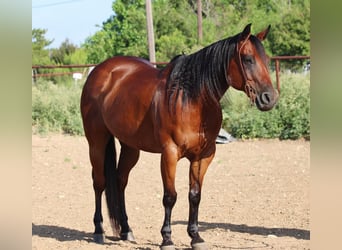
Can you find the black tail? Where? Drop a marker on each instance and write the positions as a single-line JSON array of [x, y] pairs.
[[112, 192]]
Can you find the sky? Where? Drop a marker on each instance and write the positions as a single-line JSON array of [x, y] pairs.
[[72, 19]]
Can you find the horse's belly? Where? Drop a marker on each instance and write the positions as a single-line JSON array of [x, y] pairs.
[[133, 130], [141, 141]]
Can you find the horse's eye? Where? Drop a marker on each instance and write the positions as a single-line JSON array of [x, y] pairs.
[[249, 59]]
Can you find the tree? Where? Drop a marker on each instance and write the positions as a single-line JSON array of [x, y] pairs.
[[175, 22], [175, 25], [65, 50], [122, 34], [40, 55], [99, 47], [291, 32]]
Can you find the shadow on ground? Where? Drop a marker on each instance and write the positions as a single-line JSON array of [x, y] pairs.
[[242, 228], [66, 234]]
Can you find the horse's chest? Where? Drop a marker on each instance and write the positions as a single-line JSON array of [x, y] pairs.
[[195, 140]]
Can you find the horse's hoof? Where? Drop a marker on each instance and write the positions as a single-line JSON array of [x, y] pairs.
[[199, 246], [127, 236], [99, 238], [168, 247]]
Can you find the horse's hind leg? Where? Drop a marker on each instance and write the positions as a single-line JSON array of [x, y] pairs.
[[97, 155], [128, 158]]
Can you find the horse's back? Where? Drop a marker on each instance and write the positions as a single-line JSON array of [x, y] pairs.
[[119, 67]]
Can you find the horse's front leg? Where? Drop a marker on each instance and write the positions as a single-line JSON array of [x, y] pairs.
[[197, 171], [168, 164]]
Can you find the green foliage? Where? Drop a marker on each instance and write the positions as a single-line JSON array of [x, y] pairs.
[[77, 57], [40, 55], [291, 33], [175, 27], [289, 119], [122, 34], [99, 47], [55, 108], [60, 55], [66, 54], [170, 45], [175, 30]]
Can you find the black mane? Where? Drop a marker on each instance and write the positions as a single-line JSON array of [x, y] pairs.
[[203, 70]]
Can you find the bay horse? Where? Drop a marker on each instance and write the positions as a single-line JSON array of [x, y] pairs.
[[174, 111]]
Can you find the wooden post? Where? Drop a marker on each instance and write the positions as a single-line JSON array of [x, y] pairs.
[[277, 68], [150, 32], [199, 21]]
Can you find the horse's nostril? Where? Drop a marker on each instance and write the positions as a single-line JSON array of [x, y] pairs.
[[265, 97]]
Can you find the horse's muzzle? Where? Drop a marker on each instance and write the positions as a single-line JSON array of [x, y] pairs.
[[266, 100]]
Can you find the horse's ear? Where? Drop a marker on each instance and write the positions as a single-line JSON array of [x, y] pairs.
[[262, 35], [244, 35]]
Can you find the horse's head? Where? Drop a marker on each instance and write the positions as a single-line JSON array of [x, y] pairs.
[[248, 69]]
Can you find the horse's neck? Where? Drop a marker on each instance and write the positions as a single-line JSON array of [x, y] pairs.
[[215, 99]]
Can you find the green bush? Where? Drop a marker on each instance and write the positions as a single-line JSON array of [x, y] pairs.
[[55, 107], [289, 119]]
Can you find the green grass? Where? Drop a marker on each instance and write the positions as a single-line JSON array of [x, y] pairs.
[[55, 108]]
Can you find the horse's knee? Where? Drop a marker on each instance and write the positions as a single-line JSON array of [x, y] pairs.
[[194, 197], [169, 200]]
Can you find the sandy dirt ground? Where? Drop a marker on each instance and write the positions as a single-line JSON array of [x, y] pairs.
[[255, 196]]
